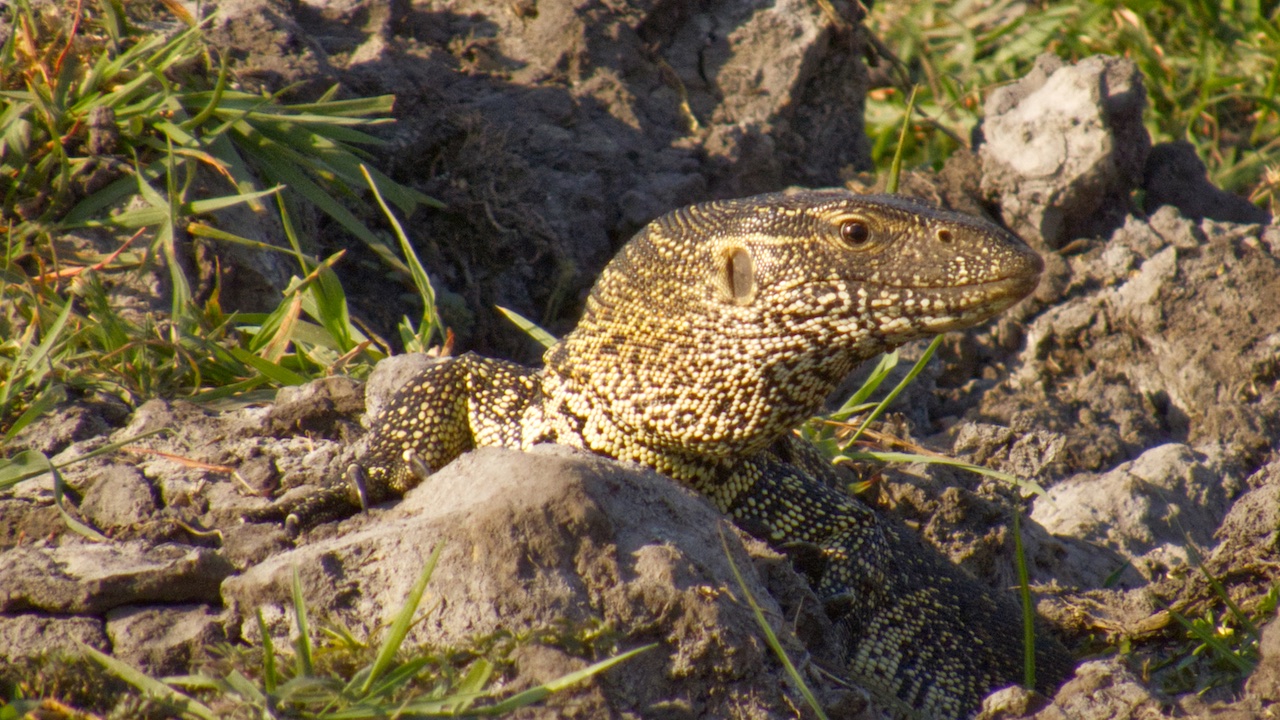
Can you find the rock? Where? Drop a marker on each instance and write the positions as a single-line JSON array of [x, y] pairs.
[[1264, 684], [31, 635], [1175, 175], [58, 429], [163, 640], [389, 376], [93, 578], [260, 474], [188, 467], [316, 408], [273, 51], [1254, 519], [246, 545], [1064, 146], [1010, 702], [1028, 455], [159, 414], [24, 520], [119, 497], [1103, 690], [1147, 509], [1169, 333], [554, 537]]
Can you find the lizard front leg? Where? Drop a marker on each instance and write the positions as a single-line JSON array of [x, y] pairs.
[[445, 410]]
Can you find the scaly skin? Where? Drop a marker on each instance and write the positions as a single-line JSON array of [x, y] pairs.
[[712, 335]]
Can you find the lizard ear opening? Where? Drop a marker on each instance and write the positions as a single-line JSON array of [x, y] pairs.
[[737, 276]]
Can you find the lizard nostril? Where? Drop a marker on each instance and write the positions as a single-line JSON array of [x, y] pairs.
[[945, 236]]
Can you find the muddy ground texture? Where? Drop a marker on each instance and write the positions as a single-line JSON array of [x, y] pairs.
[[1138, 385]]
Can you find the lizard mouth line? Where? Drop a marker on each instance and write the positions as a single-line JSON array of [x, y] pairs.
[[1011, 283]]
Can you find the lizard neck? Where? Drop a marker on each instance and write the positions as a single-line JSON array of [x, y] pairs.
[[732, 396]]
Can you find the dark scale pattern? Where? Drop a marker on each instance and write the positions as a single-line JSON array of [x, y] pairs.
[[705, 342]]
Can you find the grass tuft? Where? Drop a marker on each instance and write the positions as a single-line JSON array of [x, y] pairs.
[[121, 120], [333, 680], [1211, 69]]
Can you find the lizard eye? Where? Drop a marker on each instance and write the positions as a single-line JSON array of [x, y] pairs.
[[855, 232]]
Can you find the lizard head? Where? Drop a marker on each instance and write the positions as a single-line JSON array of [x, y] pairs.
[[890, 267], [736, 318]]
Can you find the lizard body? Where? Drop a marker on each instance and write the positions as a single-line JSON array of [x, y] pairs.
[[711, 336]]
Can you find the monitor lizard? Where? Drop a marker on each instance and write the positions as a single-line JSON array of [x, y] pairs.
[[715, 332]]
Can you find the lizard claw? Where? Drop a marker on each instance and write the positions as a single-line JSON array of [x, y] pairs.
[[416, 466], [355, 476], [292, 525]]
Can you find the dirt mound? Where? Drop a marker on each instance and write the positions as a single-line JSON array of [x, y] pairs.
[[553, 131], [557, 538]]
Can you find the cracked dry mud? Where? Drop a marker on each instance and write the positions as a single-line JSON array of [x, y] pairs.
[[1138, 385]]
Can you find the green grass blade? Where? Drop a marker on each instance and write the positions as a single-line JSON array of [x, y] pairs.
[[893, 394], [452, 705], [1240, 615], [303, 644], [149, 685], [193, 682], [1028, 609], [112, 447], [474, 682], [403, 621], [95, 205], [245, 688], [272, 333], [355, 107], [23, 466], [330, 303], [529, 327], [887, 362], [43, 403], [215, 98], [201, 207], [431, 325], [213, 396], [317, 336], [770, 637], [270, 678], [1213, 641], [394, 679], [59, 494], [895, 168], [305, 264], [1027, 486], [282, 170], [272, 371], [26, 363], [541, 692], [178, 285], [208, 231], [327, 151]]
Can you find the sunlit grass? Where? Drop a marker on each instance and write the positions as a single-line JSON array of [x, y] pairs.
[[1211, 70]]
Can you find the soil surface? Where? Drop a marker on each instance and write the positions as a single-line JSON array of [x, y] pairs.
[[1140, 385]]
